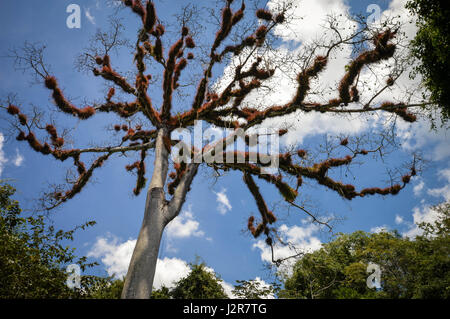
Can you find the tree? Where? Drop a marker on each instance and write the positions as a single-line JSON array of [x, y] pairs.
[[418, 268], [199, 284], [252, 289], [33, 255], [150, 128], [431, 47], [161, 293]]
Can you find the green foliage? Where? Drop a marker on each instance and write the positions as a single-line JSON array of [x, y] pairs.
[[418, 268], [432, 47], [33, 257], [252, 289], [102, 288], [161, 293], [199, 284]]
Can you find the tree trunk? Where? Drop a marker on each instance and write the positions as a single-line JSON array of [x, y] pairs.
[[141, 271], [158, 213]]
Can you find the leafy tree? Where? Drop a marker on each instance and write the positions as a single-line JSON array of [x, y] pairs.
[[252, 289], [144, 127], [102, 288], [418, 268], [432, 47], [199, 284], [33, 255], [161, 293]]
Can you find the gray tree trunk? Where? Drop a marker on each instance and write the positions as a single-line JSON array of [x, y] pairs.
[[158, 213], [141, 272]]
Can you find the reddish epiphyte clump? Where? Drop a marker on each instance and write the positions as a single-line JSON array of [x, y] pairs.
[[63, 104], [150, 17], [13, 110], [190, 42], [264, 14]]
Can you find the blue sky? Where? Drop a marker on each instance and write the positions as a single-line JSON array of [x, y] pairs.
[[213, 221]]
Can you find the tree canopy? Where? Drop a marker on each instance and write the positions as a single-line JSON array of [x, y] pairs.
[[201, 283], [34, 256], [432, 48], [418, 268]]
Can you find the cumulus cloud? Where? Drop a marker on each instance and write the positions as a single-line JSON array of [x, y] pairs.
[[422, 214], [301, 239], [308, 16], [310, 20], [116, 256], [18, 160], [426, 213], [184, 226], [169, 271], [223, 202]]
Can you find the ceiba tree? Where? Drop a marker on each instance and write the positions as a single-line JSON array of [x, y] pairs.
[[223, 108]]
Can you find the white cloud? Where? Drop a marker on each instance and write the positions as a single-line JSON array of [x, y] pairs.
[[422, 214], [3, 159], [308, 16], [417, 189], [379, 229], [116, 258], [184, 226], [445, 190], [169, 271], [309, 21], [89, 15], [304, 31], [114, 255], [426, 213], [314, 12], [399, 219], [300, 240], [308, 25], [224, 203], [18, 160], [419, 135]]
